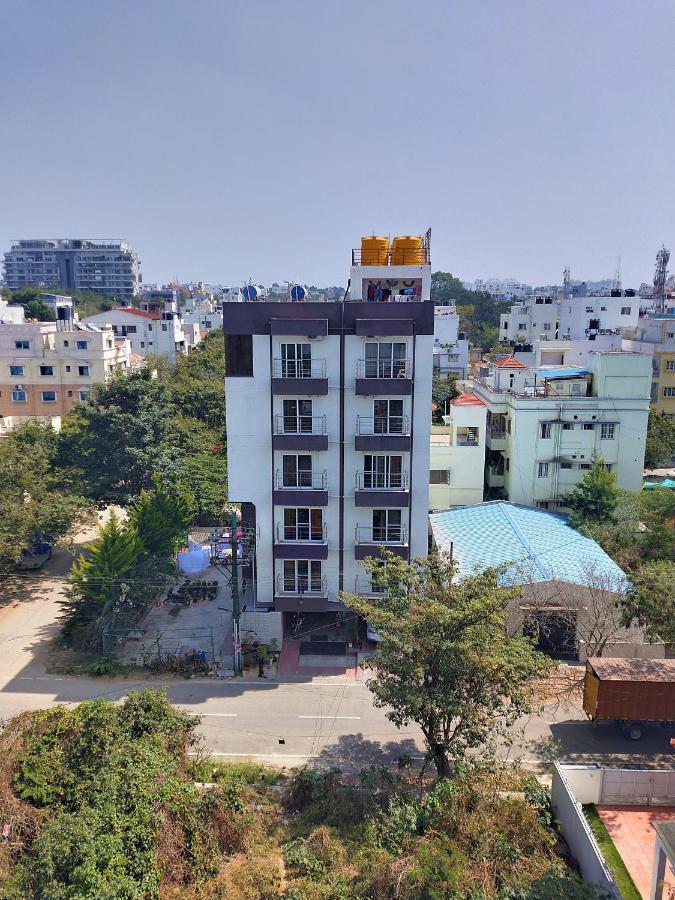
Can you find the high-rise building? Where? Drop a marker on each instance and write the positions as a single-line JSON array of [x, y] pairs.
[[107, 267], [328, 423]]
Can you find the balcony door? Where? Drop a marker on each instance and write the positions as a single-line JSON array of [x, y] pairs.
[[302, 576], [385, 359], [388, 416], [296, 360], [303, 524], [387, 526], [297, 416], [382, 472], [297, 471]]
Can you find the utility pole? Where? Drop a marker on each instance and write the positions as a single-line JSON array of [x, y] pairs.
[[236, 636]]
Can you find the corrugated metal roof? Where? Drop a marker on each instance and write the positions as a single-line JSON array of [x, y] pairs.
[[532, 544], [614, 669], [565, 372]]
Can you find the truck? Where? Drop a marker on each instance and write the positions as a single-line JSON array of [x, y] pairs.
[[635, 693]]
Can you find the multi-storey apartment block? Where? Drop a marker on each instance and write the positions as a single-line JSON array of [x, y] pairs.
[[535, 318], [328, 420], [544, 424], [45, 370], [451, 348], [584, 318], [107, 267], [654, 334]]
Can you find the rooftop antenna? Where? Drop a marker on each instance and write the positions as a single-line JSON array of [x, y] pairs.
[[566, 281], [660, 275], [616, 284]]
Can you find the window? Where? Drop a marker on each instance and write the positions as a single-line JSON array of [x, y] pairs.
[[625, 310], [297, 471], [17, 371], [584, 465], [670, 365], [439, 476], [508, 464], [607, 466], [589, 426], [565, 465], [387, 416], [142, 343], [387, 526], [547, 326], [303, 524], [669, 392], [46, 370], [22, 345], [84, 371], [19, 397], [48, 396], [302, 576], [385, 359], [545, 430], [568, 426], [542, 504], [164, 327], [522, 326], [382, 472], [296, 360], [297, 416], [83, 395], [70, 393], [65, 343], [607, 431], [130, 329], [82, 345], [543, 470], [589, 309], [149, 327], [603, 309], [67, 368]]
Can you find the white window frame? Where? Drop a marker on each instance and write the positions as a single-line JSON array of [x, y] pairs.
[[22, 344], [17, 399], [542, 470], [19, 374], [607, 430], [545, 431], [45, 400]]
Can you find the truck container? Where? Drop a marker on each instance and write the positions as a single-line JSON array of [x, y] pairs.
[[633, 692]]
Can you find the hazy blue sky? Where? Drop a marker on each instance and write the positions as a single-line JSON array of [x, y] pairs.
[[260, 139]]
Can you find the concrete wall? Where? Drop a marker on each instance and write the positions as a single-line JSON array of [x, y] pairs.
[[267, 626], [575, 828]]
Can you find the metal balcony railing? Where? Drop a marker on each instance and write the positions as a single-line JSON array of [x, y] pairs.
[[369, 425], [382, 534], [299, 368], [381, 481], [364, 585], [300, 424], [302, 534], [384, 368], [301, 480], [302, 585]]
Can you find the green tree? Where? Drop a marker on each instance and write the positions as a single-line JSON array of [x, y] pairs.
[[159, 519], [595, 498], [478, 311], [445, 660], [652, 599], [660, 446], [442, 390]]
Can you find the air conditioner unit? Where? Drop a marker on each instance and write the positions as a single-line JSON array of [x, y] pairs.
[[18, 387]]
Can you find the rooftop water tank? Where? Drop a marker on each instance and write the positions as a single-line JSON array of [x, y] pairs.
[[298, 293], [250, 292], [407, 251], [374, 251]]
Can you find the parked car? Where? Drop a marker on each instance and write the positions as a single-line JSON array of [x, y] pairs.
[[35, 556], [372, 633]]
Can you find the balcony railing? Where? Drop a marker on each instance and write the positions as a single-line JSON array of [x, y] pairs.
[[384, 368], [370, 425], [381, 481], [382, 534], [302, 585], [317, 481], [299, 368], [299, 424], [302, 534], [497, 433], [365, 586]]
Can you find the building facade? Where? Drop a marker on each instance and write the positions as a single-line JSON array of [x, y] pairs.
[[544, 424], [109, 267], [535, 318], [584, 318], [457, 455], [46, 370], [451, 348], [655, 335], [328, 419]]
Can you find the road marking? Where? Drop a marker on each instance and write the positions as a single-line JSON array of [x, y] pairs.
[[220, 715], [264, 755], [329, 717]]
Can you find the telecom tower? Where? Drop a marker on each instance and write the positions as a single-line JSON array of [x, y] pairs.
[[660, 274]]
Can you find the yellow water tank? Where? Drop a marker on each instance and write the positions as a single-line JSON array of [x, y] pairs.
[[407, 251], [374, 251]]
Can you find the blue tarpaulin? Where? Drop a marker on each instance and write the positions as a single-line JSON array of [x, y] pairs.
[[569, 372]]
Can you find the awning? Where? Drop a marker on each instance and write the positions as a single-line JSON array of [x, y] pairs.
[[551, 374]]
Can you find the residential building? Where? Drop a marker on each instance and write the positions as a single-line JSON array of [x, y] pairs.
[[11, 314], [451, 348], [204, 312], [570, 587], [109, 267], [655, 335], [457, 454], [328, 419], [535, 318], [61, 305], [544, 424], [156, 328], [584, 318], [502, 288], [45, 370]]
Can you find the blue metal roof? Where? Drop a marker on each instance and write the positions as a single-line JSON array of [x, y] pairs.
[[568, 372], [532, 544]]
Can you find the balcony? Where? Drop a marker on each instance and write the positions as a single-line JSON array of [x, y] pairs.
[[299, 433], [367, 540], [299, 376], [301, 541], [381, 489], [496, 477], [301, 489], [304, 594], [364, 587], [496, 439], [382, 433], [389, 378]]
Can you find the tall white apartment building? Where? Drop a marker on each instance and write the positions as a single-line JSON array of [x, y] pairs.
[[109, 267], [328, 422], [544, 424], [502, 288], [584, 318], [451, 348], [535, 318]]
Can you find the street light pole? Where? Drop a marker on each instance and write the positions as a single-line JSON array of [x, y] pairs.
[[236, 611]]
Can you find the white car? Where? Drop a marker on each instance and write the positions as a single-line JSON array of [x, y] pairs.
[[372, 633]]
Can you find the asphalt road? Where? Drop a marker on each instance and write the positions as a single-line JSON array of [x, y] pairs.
[[328, 719]]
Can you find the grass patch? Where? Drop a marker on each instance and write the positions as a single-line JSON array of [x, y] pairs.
[[612, 856], [237, 773]]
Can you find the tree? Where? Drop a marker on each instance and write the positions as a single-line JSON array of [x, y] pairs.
[[445, 660], [442, 390], [660, 445], [478, 311], [159, 520], [595, 498], [652, 599]]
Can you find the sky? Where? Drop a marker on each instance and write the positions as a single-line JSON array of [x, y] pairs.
[[230, 140]]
